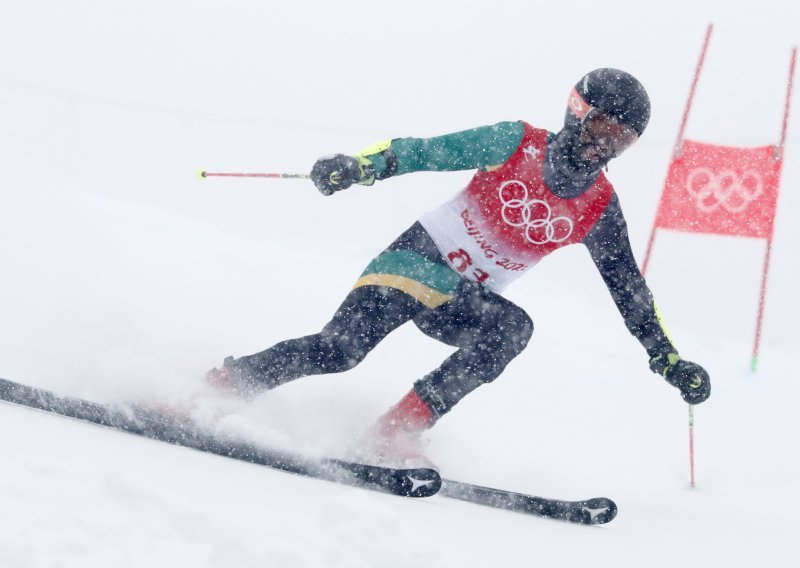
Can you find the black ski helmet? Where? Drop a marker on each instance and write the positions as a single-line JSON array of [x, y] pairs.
[[614, 91]]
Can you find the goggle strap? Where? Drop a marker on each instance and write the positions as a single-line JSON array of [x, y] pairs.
[[578, 105]]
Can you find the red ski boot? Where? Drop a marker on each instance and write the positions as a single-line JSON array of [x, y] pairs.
[[395, 438], [227, 379]]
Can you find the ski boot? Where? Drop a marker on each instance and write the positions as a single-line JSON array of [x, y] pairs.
[[228, 378], [395, 440]]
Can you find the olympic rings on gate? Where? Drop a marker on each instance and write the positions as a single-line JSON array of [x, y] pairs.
[[541, 222], [724, 189]]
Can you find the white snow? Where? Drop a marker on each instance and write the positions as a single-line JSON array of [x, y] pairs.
[[123, 277]]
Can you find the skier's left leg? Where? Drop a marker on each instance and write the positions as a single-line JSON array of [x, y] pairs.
[[489, 332]]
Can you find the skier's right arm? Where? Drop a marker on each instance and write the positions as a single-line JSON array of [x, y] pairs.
[[610, 249], [481, 147]]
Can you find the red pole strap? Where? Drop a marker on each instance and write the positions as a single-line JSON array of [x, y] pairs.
[[691, 446], [679, 141], [205, 174], [761, 301], [779, 151], [787, 105]]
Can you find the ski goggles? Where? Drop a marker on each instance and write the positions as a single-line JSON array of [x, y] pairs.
[[604, 130], [608, 133]]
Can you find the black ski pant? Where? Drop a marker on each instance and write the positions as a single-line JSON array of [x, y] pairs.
[[488, 330]]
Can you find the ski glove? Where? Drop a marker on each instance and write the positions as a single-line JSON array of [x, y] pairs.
[[689, 378], [335, 173]]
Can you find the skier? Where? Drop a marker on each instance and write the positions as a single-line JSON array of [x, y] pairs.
[[533, 193]]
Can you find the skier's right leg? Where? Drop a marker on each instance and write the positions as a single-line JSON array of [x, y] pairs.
[[409, 277], [367, 315]]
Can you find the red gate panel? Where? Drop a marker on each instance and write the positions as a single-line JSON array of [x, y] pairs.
[[721, 190]]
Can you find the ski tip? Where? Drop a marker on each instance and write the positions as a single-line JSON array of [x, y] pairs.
[[597, 511], [201, 174]]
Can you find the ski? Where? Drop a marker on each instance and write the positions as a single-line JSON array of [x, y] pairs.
[[596, 511], [415, 482]]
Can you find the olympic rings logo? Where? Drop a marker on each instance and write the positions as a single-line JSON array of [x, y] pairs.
[[534, 214], [725, 189]]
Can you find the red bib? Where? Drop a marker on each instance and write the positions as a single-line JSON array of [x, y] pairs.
[[521, 212], [507, 219]]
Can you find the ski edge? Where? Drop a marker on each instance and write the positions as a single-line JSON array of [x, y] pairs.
[[595, 511], [415, 482]]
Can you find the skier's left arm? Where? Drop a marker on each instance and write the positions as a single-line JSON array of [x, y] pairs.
[[610, 249], [482, 147]]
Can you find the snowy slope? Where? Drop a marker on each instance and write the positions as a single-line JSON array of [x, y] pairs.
[[125, 278]]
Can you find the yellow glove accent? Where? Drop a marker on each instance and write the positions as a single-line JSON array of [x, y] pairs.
[[661, 322], [657, 365], [367, 170], [375, 148]]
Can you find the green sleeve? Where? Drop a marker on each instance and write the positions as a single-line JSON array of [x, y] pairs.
[[466, 150]]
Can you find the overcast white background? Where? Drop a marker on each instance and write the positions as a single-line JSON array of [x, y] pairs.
[[124, 277]]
